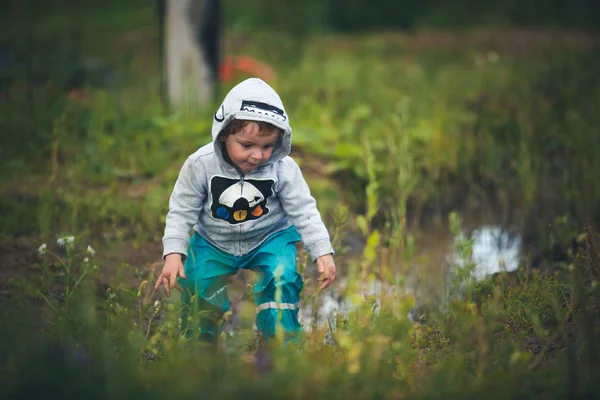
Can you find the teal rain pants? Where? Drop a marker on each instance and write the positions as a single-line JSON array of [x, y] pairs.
[[276, 291]]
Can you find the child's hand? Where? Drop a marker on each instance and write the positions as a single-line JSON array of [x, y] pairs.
[[168, 277], [326, 268]]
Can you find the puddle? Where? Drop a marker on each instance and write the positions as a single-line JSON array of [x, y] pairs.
[[332, 302], [494, 250]]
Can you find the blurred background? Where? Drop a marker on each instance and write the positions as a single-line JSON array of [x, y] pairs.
[[403, 112], [426, 106]]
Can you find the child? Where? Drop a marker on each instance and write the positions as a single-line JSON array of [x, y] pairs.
[[248, 204]]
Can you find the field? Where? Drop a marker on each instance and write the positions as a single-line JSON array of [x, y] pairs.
[[455, 169]]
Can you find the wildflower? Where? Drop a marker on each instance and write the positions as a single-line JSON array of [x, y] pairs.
[[65, 241], [86, 260], [42, 249], [91, 251]]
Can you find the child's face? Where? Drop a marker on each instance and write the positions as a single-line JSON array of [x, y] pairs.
[[248, 149]]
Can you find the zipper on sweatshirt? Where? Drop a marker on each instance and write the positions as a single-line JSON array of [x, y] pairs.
[[240, 233], [240, 248]]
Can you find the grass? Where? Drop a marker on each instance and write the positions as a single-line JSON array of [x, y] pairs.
[[393, 136], [125, 341]]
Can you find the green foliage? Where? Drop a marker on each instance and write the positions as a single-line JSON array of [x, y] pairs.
[[388, 135], [126, 341], [411, 127], [361, 15]]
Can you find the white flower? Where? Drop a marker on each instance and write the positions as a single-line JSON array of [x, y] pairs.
[[65, 241], [86, 260], [42, 249], [91, 251], [156, 303]]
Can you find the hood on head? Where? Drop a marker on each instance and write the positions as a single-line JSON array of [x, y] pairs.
[[254, 100]]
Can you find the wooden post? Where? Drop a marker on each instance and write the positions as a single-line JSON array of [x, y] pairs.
[[190, 66]]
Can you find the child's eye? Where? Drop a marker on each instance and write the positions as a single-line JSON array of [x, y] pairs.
[[268, 146], [246, 146]]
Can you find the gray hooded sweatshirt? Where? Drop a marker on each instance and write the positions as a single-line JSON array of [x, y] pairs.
[[236, 212]]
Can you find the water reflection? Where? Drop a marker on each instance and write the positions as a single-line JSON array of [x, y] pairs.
[[332, 302], [494, 250]]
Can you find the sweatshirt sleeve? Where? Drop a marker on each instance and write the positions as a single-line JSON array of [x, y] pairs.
[[301, 209], [185, 204]]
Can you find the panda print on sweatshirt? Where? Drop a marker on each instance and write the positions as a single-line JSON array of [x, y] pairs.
[[239, 200]]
